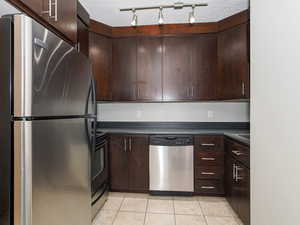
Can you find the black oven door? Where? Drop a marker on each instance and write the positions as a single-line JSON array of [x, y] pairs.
[[100, 164]]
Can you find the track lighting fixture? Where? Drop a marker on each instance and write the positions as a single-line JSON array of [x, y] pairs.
[[160, 16], [176, 6], [134, 21], [192, 18]]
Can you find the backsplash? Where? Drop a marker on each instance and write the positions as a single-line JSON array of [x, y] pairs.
[[174, 112]]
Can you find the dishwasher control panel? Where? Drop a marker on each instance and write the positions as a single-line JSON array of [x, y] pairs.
[[171, 140]]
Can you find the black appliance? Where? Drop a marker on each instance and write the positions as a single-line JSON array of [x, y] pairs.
[[99, 172]]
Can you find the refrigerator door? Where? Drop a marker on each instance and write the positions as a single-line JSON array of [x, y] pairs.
[[52, 173], [50, 77]]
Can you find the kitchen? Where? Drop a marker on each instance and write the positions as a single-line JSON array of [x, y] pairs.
[[136, 112]]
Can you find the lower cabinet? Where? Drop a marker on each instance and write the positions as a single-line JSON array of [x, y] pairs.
[[237, 181], [129, 163], [209, 164]]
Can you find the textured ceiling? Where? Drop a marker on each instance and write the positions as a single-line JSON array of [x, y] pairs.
[[107, 11], [6, 8]]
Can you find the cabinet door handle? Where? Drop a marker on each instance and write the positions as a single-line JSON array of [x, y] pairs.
[[208, 187], [49, 11], [55, 17], [237, 176], [233, 171], [208, 159], [207, 173], [192, 91], [208, 144], [188, 92], [243, 89], [138, 92], [125, 145], [237, 153], [130, 146]]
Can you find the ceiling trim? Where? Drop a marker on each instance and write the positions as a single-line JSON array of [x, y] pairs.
[[234, 20], [100, 28], [169, 29]]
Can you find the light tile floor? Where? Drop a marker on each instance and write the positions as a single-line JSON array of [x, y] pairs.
[[143, 209]]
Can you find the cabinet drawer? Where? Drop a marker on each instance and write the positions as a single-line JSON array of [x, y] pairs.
[[209, 186], [209, 158], [241, 153], [209, 143], [209, 172]]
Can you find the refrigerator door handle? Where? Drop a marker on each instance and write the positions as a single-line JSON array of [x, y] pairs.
[[22, 173], [94, 96]]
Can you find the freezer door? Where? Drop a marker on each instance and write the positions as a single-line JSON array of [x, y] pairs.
[[50, 77], [52, 173]]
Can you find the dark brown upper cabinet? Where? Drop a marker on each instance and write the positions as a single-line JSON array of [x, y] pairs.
[[177, 68], [124, 69], [101, 59], [233, 63], [149, 69], [34, 5], [190, 68], [62, 15], [83, 37], [204, 67]]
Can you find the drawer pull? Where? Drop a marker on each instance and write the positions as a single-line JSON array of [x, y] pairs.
[[207, 173], [208, 145], [207, 187], [237, 153], [208, 159]]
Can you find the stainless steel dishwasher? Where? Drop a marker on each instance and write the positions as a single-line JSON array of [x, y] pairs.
[[171, 162]]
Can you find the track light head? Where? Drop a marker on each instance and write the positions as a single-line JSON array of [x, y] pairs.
[[192, 18], [134, 21], [160, 16]]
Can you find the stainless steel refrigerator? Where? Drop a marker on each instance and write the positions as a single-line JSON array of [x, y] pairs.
[[47, 122]]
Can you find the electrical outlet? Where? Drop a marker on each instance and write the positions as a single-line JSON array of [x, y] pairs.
[[139, 114], [210, 114]]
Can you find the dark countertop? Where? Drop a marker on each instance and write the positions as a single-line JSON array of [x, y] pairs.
[[236, 137], [232, 133]]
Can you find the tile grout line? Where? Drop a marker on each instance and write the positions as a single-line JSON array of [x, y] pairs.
[[204, 217], [146, 211], [114, 220], [174, 211]]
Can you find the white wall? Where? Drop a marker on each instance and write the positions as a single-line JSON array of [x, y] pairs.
[[174, 112], [6, 8], [275, 112]]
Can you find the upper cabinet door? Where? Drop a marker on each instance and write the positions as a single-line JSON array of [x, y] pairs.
[[83, 38], [63, 16], [34, 5], [233, 63], [177, 68], [204, 67], [149, 69], [124, 69], [101, 58]]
